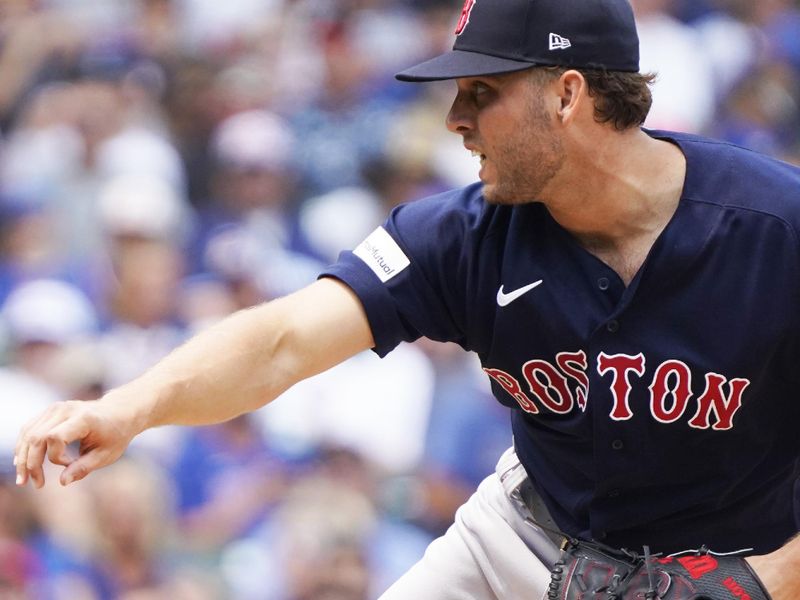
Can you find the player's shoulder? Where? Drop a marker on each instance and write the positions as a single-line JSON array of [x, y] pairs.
[[458, 213], [722, 173], [465, 202]]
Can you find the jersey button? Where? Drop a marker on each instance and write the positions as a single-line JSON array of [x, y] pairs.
[[603, 283], [612, 326], [617, 444]]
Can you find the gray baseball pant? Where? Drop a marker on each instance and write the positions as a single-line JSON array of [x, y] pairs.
[[491, 552]]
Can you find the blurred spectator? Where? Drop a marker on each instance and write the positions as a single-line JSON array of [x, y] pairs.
[[761, 112], [34, 41], [70, 142], [66, 539], [125, 545], [340, 219], [307, 551], [683, 95], [114, 538], [145, 225], [41, 319], [376, 407], [143, 206], [325, 554], [138, 152], [141, 319], [24, 397], [345, 125], [155, 29], [131, 535], [204, 299], [141, 309], [41, 316], [420, 152], [244, 144], [250, 230], [468, 430], [21, 568], [242, 479], [212, 27], [779, 20], [259, 144], [733, 48], [29, 250], [690, 11], [46, 322]]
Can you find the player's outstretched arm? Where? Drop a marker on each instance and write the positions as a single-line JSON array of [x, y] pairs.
[[234, 367], [779, 571]]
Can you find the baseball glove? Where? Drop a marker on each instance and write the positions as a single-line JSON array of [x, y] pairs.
[[592, 571]]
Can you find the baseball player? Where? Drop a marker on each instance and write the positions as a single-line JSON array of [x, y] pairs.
[[632, 296]]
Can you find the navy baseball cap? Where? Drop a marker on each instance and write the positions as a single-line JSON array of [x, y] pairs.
[[501, 36]]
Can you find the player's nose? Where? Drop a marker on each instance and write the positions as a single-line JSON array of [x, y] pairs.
[[460, 117]]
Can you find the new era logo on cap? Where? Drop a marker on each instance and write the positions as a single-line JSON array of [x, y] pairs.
[[559, 43]]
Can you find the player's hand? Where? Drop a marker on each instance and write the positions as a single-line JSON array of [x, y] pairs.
[[102, 428]]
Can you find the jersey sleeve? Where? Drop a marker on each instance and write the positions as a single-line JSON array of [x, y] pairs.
[[411, 274]]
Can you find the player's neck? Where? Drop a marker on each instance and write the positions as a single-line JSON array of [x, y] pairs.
[[621, 186], [616, 197]]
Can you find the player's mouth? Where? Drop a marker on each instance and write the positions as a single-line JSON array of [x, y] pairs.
[[482, 157], [473, 149], [483, 172]]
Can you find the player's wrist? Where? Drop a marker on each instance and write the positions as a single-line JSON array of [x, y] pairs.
[[130, 410], [779, 571]]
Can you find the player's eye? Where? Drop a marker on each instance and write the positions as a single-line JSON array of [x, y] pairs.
[[477, 92], [481, 93], [479, 88]]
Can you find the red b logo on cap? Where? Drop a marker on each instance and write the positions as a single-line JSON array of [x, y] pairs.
[[464, 18]]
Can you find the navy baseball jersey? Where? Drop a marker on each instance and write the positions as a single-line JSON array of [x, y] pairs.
[[664, 413]]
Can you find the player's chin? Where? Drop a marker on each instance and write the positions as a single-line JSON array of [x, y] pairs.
[[501, 189], [496, 194]]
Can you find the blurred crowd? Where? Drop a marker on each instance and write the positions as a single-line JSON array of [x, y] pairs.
[[164, 163]]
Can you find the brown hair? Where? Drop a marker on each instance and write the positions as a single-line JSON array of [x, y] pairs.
[[620, 98]]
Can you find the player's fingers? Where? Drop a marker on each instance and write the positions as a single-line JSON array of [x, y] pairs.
[[57, 450], [20, 464], [91, 458], [85, 464], [33, 443], [62, 432], [39, 439], [27, 438], [21, 450], [34, 460]]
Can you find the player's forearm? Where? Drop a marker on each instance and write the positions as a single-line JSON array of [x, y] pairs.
[[243, 362], [215, 376]]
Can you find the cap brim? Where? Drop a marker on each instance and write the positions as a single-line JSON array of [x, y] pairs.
[[461, 63]]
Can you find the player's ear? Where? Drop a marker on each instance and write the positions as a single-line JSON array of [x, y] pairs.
[[572, 91]]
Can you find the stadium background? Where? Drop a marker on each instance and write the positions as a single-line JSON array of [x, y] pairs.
[[165, 162]]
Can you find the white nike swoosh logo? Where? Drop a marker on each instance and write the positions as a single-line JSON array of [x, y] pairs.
[[504, 299]]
